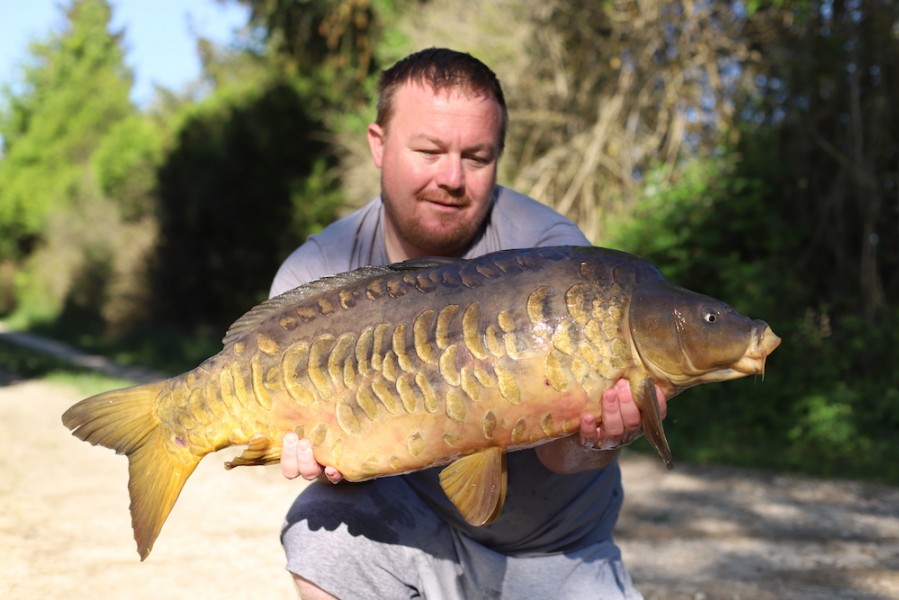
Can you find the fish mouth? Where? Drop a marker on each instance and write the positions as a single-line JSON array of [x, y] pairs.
[[765, 341]]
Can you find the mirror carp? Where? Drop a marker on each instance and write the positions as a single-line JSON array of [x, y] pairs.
[[388, 370]]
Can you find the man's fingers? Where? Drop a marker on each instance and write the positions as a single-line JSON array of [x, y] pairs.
[[611, 423], [308, 466], [627, 408], [333, 474], [289, 464], [588, 431], [297, 459]]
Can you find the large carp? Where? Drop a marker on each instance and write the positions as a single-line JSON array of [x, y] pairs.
[[392, 369]]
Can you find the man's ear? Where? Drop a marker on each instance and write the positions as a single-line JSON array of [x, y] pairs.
[[376, 143]]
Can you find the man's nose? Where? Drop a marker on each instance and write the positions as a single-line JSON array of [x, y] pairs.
[[451, 176]]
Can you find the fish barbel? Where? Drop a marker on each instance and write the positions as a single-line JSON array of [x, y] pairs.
[[393, 369]]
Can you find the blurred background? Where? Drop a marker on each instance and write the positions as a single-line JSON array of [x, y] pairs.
[[749, 148]]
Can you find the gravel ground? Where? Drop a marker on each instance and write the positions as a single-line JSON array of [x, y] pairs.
[[694, 533], [722, 533]]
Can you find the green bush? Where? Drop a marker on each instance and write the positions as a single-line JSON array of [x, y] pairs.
[[829, 402], [246, 180]]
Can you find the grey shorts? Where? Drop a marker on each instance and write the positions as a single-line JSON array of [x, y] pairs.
[[379, 540]]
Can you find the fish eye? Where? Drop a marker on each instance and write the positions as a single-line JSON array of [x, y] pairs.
[[710, 316]]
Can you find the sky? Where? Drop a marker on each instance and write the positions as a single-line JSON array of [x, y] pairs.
[[159, 36]]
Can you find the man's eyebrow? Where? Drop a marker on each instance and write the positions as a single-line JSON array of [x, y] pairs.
[[421, 137], [491, 148]]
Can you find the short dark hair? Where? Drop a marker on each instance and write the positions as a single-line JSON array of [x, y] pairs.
[[441, 69]]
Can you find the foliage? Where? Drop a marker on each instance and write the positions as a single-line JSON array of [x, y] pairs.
[[76, 89], [606, 94], [793, 222], [125, 165], [829, 93], [150, 346], [815, 411], [305, 35], [91, 265], [23, 362], [234, 201], [62, 238], [333, 51], [19, 362], [825, 407]]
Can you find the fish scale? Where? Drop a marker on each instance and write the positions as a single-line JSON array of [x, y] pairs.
[[388, 370], [350, 423]]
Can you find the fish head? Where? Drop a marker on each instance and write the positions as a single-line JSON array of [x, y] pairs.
[[687, 338]]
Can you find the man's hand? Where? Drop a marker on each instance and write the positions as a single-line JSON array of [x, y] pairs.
[[297, 460], [619, 426]]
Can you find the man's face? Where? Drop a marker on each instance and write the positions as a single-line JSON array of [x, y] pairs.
[[438, 156]]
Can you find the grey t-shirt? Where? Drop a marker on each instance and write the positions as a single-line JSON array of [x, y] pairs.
[[544, 512]]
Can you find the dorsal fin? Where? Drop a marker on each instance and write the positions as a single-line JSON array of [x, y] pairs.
[[259, 313], [425, 262]]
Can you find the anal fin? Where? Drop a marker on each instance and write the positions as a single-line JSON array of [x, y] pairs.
[[476, 484], [259, 451]]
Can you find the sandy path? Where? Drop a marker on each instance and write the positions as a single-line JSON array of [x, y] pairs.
[[691, 534], [65, 531]]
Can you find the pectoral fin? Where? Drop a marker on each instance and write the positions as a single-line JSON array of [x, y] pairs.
[[648, 403], [259, 451], [476, 484]]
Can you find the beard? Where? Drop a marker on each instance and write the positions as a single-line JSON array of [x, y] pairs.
[[451, 236]]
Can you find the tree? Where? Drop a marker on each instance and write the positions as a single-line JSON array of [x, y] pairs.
[[305, 35], [245, 181], [829, 98], [75, 89]]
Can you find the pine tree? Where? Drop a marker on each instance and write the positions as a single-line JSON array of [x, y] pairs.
[[75, 88]]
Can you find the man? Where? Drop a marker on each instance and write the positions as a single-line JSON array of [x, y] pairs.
[[437, 140]]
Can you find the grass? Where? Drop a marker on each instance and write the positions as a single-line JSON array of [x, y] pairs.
[[159, 349], [30, 364], [88, 383]]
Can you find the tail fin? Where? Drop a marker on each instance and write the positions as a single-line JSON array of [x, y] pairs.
[[125, 421]]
